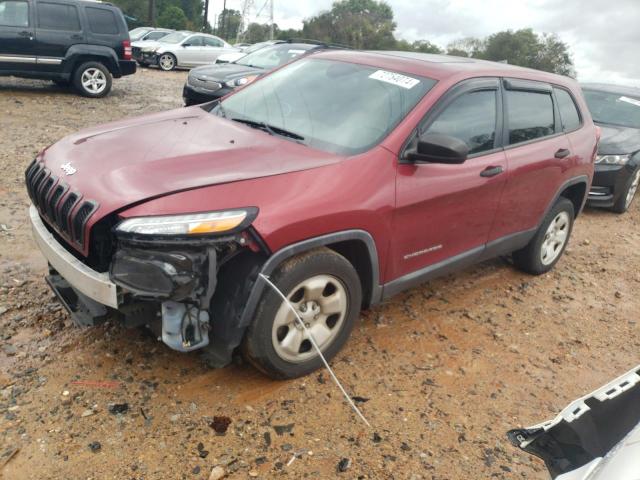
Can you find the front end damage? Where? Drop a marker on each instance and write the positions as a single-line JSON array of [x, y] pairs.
[[596, 437], [166, 284]]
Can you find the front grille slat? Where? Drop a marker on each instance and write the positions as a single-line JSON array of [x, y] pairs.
[[65, 211]]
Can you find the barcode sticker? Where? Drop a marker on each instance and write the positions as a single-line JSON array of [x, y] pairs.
[[395, 79], [632, 101]]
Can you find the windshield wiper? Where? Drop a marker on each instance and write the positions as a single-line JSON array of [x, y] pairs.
[[270, 129]]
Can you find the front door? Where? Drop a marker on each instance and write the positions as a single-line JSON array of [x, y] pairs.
[[190, 52], [16, 36], [445, 212]]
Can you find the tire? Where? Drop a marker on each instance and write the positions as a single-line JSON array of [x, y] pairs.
[[549, 242], [629, 194], [272, 342], [92, 79], [167, 62]]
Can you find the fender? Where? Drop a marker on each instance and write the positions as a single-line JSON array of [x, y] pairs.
[[287, 252], [569, 183], [107, 54]]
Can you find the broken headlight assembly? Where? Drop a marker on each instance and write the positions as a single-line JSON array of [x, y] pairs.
[[189, 225], [613, 159]]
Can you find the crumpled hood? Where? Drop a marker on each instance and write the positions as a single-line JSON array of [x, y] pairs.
[[145, 44], [222, 72], [126, 162], [618, 140]]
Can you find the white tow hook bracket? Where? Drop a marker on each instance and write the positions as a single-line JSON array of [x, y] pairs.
[[184, 327]]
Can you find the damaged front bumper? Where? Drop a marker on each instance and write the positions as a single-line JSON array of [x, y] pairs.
[[165, 286], [596, 437]]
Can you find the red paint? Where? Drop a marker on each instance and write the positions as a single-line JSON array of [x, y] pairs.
[[188, 160]]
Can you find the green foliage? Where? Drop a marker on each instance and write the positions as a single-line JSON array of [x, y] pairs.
[[465, 47], [424, 46], [173, 17], [258, 32], [228, 24]]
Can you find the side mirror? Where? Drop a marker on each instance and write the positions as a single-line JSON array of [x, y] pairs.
[[436, 148], [185, 45]]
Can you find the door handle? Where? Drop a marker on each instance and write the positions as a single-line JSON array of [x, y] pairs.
[[562, 153], [76, 37], [491, 171], [26, 33]]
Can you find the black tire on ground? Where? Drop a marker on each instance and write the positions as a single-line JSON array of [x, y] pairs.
[[167, 66], [530, 258], [258, 347], [621, 205], [89, 71]]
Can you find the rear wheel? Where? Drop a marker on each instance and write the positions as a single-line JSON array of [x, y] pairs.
[[547, 246], [324, 289], [167, 62], [92, 79], [626, 198]]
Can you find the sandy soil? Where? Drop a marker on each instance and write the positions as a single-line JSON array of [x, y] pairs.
[[443, 371]]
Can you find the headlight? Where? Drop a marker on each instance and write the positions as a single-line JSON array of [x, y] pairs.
[[613, 159], [239, 82], [148, 49], [190, 224]]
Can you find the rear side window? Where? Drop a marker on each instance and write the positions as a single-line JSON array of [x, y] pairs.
[[195, 42], [56, 16], [212, 42], [568, 110], [102, 21], [14, 13], [529, 115], [470, 118]]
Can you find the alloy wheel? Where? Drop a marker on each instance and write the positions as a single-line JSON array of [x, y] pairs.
[[94, 80], [167, 62], [633, 189], [555, 238], [321, 302]]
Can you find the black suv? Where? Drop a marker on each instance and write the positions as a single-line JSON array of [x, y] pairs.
[[84, 43]]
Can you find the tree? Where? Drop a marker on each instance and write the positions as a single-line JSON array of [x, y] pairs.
[[258, 32], [424, 46], [366, 24], [554, 56], [465, 47], [228, 24], [173, 17]]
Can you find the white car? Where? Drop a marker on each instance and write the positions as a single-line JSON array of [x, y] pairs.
[[184, 50], [233, 56]]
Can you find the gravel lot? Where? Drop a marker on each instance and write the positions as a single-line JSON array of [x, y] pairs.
[[441, 372]]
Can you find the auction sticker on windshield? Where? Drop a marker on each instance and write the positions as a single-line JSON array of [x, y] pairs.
[[632, 101], [395, 79]]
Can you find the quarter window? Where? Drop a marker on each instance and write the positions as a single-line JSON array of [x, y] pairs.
[[470, 118], [102, 21], [529, 115], [568, 110], [56, 16], [14, 13]]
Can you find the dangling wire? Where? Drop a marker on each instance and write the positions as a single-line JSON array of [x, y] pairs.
[[315, 345]]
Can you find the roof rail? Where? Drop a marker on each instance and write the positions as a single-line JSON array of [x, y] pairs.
[[318, 42]]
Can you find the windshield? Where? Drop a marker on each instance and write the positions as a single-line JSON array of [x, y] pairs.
[[138, 33], [338, 107], [268, 58], [175, 37], [613, 108]]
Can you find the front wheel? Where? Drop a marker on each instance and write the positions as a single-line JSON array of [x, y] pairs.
[[92, 79], [548, 244], [626, 198], [167, 62], [324, 289]]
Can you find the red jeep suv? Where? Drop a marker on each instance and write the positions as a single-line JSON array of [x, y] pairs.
[[345, 177]]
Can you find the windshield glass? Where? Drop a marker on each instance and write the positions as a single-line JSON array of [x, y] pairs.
[[613, 108], [256, 46], [274, 56], [175, 37], [338, 107], [138, 33]]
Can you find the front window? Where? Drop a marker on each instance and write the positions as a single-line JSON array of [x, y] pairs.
[[338, 107], [614, 108], [175, 37], [271, 57]]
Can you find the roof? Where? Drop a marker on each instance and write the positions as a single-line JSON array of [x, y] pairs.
[[440, 67], [611, 88]]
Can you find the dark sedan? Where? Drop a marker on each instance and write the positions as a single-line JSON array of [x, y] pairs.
[[211, 82], [616, 110]]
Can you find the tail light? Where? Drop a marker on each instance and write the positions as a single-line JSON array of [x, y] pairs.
[[126, 46]]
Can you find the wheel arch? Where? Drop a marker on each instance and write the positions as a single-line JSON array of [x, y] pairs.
[[79, 54], [575, 189]]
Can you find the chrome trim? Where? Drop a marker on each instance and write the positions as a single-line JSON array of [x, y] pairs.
[[598, 194], [94, 285], [17, 59], [49, 61]]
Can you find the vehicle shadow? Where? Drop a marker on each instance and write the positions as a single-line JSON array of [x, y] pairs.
[[43, 87]]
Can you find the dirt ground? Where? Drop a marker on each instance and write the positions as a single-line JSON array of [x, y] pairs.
[[442, 371]]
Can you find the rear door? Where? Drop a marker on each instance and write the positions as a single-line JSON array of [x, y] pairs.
[[16, 36], [538, 153], [58, 27], [213, 48], [444, 211]]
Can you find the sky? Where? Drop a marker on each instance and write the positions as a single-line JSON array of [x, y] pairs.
[[604, 37]]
